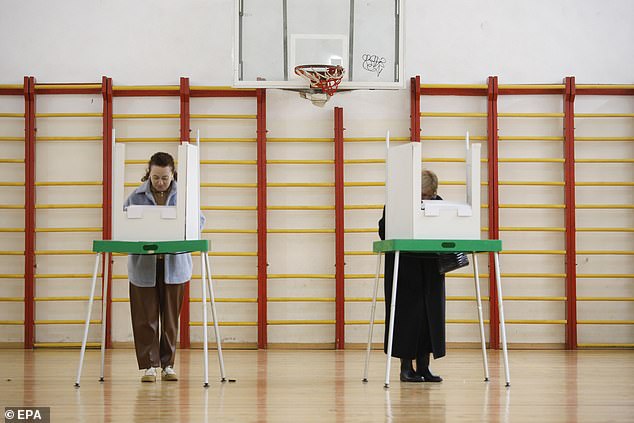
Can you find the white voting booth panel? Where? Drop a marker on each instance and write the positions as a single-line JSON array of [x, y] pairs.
[[405, 216], [159, 223]]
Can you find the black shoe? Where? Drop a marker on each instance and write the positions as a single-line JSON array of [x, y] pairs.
[[431, 378], [422, 369], [407, 372]]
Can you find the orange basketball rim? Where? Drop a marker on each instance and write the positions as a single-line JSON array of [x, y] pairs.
[[324, 77]]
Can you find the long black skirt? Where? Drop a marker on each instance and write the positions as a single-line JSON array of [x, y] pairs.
[[419, 327]]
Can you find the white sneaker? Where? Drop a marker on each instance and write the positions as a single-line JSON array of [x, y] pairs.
[[149, 375], [168, 373]]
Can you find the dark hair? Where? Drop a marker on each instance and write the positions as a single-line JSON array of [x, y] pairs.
[[161, 160]]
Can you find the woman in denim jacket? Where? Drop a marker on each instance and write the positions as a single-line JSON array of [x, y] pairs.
[[157, 282]]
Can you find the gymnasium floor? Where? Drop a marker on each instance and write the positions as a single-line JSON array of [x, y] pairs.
[[299, 386]]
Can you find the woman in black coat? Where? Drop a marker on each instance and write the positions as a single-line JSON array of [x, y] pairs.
[[419, 328]]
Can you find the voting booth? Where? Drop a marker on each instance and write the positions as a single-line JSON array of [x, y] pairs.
[[414, 225], [139, 223], [409, 217], [149, 230]]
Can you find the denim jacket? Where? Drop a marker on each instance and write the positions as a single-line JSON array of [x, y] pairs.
[[142, 268]]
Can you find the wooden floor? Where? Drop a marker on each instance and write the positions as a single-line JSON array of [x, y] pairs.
[[299, 386]]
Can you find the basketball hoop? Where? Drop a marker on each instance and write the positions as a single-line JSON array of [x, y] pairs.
[[323, 77]]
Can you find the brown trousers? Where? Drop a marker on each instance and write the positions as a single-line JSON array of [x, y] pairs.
[[149, 306]]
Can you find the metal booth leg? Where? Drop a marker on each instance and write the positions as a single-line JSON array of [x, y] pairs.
[[372, 312], [390, 337], [204, 298], [214, 316], [87, 323], [476, 277], [498, 284], [104, 306]]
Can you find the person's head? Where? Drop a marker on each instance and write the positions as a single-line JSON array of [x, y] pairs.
[[160, 171], [429, 185]]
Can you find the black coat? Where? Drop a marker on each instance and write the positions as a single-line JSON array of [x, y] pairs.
[[419, 327]]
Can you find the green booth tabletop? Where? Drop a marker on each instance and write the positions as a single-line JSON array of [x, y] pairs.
[[438, 245], [150, 247]]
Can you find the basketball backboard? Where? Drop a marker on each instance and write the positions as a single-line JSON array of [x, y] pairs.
[[363, 36]]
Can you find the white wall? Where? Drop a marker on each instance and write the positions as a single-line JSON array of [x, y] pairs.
[[156, 42], [521, 41]]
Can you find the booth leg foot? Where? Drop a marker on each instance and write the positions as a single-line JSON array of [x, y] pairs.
[[101, 379], [76, 385], [508, 384], [205, 385], [486, 379], [365, 380]]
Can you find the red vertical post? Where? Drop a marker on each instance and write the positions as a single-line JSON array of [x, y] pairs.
[[262, 211], [570, 218], [414, 126], [184, 116], [107, 124], [29, 211], [340, 293], [184, 138], [494, 229]]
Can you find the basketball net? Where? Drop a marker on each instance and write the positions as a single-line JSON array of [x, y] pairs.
[[324, 81]]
